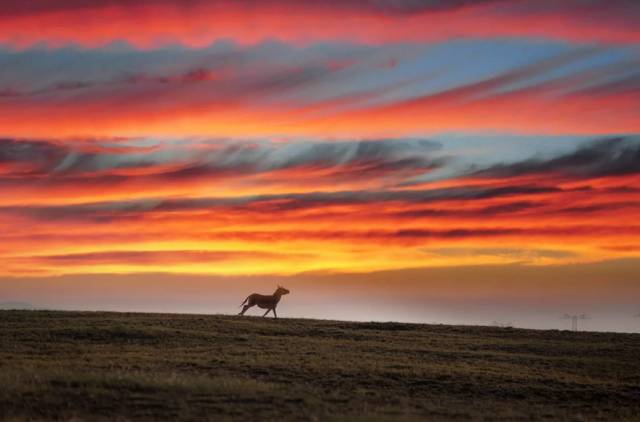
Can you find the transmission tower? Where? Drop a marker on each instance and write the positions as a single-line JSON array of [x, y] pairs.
[[574, 320]]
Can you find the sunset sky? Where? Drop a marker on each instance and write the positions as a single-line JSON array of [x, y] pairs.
[[434, 161]]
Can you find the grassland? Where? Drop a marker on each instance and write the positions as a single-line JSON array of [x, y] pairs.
[[82, 365]]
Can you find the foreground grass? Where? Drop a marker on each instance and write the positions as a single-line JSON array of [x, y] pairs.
[[66, 365]]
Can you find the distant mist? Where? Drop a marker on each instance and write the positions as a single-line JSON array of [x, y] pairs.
[[524, 296]]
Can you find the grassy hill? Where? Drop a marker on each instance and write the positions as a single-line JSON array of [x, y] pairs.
[[61, 365]]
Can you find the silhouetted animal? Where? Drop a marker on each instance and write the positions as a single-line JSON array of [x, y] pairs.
[[265, 302]]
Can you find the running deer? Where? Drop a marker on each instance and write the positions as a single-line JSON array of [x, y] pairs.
[[265, 302]]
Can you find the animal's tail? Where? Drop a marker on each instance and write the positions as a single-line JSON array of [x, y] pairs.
[[245, 301]]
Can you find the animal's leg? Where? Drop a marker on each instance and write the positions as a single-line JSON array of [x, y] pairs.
[[244, 309], [274, 313], [268, 310]]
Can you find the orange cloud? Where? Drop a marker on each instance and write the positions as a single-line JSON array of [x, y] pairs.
[[518, 112]]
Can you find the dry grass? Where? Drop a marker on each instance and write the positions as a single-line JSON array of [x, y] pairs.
[[66, 365]]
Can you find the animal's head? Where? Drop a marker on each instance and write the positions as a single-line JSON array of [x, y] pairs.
[[282, 291]]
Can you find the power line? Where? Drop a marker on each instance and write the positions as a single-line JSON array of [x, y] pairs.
[[574, 320]]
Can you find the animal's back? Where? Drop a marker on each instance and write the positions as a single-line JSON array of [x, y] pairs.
[[261, 300]]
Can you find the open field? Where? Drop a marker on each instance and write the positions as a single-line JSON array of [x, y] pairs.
[[61, 365]]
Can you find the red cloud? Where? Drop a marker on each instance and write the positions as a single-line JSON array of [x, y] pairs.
[[198, 22]]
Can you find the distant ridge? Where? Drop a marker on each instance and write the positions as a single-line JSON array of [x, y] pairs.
[[16, 305]]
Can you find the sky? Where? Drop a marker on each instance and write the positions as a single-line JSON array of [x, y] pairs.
[[447, 161]]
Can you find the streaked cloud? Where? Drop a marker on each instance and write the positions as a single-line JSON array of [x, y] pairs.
[[133, 257], [323, 90], [288, 201], [199, 22], [59, 163], [601, 158]]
